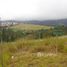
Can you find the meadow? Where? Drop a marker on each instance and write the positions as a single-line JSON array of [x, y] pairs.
[[28, 27], [41, 52]]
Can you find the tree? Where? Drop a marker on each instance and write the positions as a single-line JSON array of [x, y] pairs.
[[58, 30]]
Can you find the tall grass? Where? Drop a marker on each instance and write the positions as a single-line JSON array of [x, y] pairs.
[[48, 45]]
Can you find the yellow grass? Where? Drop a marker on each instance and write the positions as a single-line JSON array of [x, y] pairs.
[[48, 52], [30, 27], [24, 53]]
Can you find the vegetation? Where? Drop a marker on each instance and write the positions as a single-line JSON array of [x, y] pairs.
[[25, 52], [11, 34], [29, 27], [40, 47]]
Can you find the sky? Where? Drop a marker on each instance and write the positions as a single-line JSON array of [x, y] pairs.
[[33, 9]]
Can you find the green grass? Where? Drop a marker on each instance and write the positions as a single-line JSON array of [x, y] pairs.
[[30, 27]]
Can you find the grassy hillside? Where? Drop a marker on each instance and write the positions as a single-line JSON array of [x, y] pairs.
[[30, 27], [27, 51], [49, 52]]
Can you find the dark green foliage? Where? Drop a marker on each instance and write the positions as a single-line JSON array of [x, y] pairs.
[[57, 33], [20, 33], [58, 30], [39, 34], [9, 34], [65, 30]]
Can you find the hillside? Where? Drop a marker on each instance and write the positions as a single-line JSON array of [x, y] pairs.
[[50, 52], [23, 26], [38, 22], [47, 22], [25, 45]]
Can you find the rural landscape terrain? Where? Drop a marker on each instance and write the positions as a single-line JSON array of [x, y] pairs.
[[33, 44]]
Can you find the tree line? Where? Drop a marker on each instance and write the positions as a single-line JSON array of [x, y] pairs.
[[8, 34]]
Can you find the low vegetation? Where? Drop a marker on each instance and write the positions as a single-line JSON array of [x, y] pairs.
[[10, 34], [25, 52], [33, 48]]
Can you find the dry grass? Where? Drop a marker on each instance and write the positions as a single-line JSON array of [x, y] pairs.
[[25, 52], [48, 52]]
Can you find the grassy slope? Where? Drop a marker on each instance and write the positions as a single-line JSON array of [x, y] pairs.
[[30, 27], [25, 53]]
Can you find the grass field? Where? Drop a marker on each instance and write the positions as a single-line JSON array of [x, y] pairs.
[[45, 52], [30, 27], [49, 52]]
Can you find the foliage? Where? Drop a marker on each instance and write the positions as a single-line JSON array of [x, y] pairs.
[[58, 30]]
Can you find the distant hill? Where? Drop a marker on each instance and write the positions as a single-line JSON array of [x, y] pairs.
[[48, 22], [38, 22]]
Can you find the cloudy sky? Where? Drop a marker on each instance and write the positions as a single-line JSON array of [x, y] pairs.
[[33, 9]]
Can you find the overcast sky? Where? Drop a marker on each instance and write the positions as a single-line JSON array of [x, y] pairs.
[[33, 9]]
